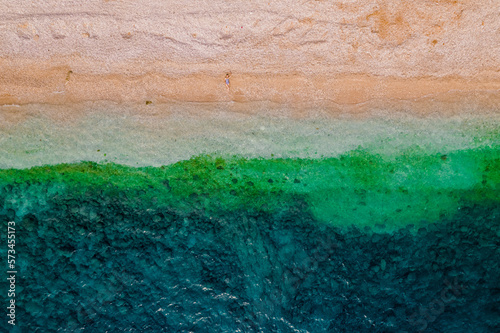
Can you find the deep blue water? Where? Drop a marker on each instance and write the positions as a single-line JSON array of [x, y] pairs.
[[163, 271]]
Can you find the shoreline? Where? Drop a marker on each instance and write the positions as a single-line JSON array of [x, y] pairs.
[[348, 93], [154, 135], [77, 80]]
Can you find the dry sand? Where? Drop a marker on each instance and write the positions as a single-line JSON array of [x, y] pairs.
[[345, 56]]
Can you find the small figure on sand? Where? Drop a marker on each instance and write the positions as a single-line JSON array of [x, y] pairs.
[[228, 75], [68, 76]]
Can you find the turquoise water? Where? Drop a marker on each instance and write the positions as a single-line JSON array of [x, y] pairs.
[[167, 272], [219, 245], [314, 226]]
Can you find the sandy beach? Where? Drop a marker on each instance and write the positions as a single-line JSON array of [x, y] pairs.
[[346, 57], [356, 93]]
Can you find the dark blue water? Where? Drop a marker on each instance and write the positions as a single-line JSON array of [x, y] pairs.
[[163, 271]]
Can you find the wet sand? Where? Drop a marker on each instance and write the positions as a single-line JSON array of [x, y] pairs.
[[41, 83]]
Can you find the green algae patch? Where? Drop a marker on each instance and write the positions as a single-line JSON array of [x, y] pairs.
[[358, 188]]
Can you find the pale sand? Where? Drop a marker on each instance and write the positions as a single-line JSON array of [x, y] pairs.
[[420, 57]]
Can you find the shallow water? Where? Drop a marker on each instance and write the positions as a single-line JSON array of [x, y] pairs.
[[168, 134]]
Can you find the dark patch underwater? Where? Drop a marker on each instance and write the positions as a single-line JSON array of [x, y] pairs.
[[101, 255]]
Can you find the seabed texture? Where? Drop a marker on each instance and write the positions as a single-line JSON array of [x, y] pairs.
[[342, 226]]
